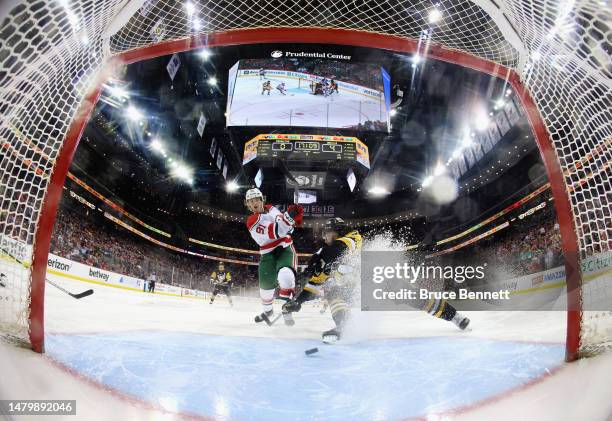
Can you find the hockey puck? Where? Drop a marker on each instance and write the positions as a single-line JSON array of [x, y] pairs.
[[311, 351]]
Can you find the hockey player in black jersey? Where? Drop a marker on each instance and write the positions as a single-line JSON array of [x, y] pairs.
[[222, 282], [266, 87], [331, 265]]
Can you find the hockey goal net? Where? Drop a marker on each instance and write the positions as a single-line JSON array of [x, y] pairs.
[[55, 54]]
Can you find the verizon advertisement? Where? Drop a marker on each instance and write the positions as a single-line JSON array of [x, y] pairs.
[[60, 266], [66, 268]]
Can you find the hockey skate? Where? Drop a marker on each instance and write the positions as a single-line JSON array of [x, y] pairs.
[[288, 318], [264, 317], [331, 336], [291, 306], [461, 321]]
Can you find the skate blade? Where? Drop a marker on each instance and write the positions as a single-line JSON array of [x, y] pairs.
[[465, 325], [331, 339], [288, 320]]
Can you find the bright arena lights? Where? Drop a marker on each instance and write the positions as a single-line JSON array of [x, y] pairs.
[[156, 145], [212, 81], [118, 92], [378, 191], [183, 172], [133, 113], [205, 54], [442, 189], [481, 121], [434, 15], [439, 170], [466, 142], [231, 186], [190, 8]]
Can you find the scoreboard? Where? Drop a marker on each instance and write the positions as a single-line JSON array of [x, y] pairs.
[[300, 147]]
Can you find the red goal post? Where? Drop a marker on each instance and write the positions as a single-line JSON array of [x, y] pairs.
[[577, 174]]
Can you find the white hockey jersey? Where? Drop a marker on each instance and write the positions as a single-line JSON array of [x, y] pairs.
[[270, 229]]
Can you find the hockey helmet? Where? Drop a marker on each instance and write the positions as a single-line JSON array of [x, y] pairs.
[[253, 193], [336, 225]]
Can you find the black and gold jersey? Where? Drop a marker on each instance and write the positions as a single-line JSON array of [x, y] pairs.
[[325, 262], [221, 277]]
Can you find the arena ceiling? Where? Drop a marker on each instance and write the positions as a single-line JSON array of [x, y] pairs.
[[439, 100]]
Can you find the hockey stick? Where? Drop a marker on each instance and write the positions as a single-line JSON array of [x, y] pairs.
[[77, 296], [271, 322]]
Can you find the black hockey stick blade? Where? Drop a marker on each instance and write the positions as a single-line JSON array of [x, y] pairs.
[[12, 257], [77, 296], [82, 294], [271, 322]]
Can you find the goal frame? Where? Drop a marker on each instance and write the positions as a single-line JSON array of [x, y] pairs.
[[569, 239]]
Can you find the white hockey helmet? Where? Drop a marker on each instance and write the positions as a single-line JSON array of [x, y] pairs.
[[253, 193]]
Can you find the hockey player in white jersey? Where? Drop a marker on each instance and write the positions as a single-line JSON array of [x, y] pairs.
[[271, 229], [281, 88]]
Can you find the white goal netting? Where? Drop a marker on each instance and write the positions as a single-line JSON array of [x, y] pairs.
[[51, 52]]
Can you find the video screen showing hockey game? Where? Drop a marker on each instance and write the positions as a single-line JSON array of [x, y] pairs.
[[308, 92]]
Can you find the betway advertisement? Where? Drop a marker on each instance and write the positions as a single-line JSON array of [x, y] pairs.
[[66, 268], [61, 266]]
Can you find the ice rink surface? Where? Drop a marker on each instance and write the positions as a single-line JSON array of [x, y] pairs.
[[299, 107], [132, 355]]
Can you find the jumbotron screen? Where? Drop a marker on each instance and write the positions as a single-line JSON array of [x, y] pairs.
[[302, 147], [308, 92]]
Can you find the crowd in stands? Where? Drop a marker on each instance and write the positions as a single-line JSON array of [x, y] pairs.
[[595, 223], [373, 125], [17, 208], [524, 252], [234, 234], [527, 246], [83, 236]]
